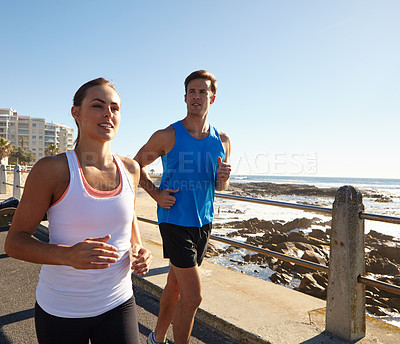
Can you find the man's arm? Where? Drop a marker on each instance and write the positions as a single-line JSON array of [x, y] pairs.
[[224, 168], [159, 144]]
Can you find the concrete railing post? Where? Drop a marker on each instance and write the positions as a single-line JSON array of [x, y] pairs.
[[345, 307], [17, 190], [3, 179]]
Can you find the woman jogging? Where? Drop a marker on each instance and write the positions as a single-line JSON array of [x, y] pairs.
[[85, 290]]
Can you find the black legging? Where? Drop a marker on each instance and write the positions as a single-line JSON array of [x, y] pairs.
[[117, 326]]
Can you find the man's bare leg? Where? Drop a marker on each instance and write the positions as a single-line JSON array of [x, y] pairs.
[[190, 298], [169, 299]]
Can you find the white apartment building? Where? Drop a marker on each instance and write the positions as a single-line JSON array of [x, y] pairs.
[[34, 133]]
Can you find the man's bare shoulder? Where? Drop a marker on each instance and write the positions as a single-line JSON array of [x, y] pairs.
[[166, 133], [162, 141], [224, 137]]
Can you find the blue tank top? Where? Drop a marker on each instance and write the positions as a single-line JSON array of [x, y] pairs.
[[191, 166]]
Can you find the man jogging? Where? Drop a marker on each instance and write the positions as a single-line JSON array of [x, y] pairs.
[[195, 164]]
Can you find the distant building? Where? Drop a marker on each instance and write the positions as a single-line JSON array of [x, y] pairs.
[[34, 133]]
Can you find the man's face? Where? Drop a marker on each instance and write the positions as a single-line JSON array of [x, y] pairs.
[[199, 96]]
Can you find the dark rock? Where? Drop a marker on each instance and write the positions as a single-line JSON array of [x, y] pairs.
[[255, 258], [391, 252], [396, 280], [280, 278], [384, 199], [319, 234], [288, 248], [303, 246], [371, 242], [301, 269], [314, 257], [321, 278], [297, 236], [301, 237], [213, 249], [377, 310], [238, 262], [256, 241], [297, 223], [288, 266], [394, 303], [310, 286], [230, 249], [280, 189], [381, 266], [380, 236], [372, 301], [278, 238]]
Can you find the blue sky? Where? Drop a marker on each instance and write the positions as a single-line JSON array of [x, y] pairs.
[[305, 87]]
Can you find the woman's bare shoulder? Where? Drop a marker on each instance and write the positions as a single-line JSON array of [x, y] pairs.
[[50, 168], [131, 165]]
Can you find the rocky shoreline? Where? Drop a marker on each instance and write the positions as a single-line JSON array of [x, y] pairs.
[[309, 239], [271, 189]]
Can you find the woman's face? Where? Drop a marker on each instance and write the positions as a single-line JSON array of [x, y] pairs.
[[98, 116]]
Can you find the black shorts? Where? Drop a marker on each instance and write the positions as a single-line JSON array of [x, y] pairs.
[[118, 325], [185, 246]]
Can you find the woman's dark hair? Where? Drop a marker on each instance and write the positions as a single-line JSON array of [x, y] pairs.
[[81, 94]]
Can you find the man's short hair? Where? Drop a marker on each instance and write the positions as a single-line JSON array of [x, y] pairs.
[[202, 74]]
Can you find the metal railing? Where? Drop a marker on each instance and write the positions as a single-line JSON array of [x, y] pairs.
[[302, 262], [17, 180], [364, 216]]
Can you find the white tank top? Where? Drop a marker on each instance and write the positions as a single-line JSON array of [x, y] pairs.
[[71, 293]]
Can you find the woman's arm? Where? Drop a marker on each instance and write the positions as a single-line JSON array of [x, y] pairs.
[[45, 184], [141, 256]]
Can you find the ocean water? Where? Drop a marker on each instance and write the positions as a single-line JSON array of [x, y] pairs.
[[230, 210]]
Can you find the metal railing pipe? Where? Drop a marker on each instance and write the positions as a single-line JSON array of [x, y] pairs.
[[363, 216], [379, 284], [3, 178], [381, 218], [143, 219], [17, 182], [276, 203], [264, 251], [275, 254]]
